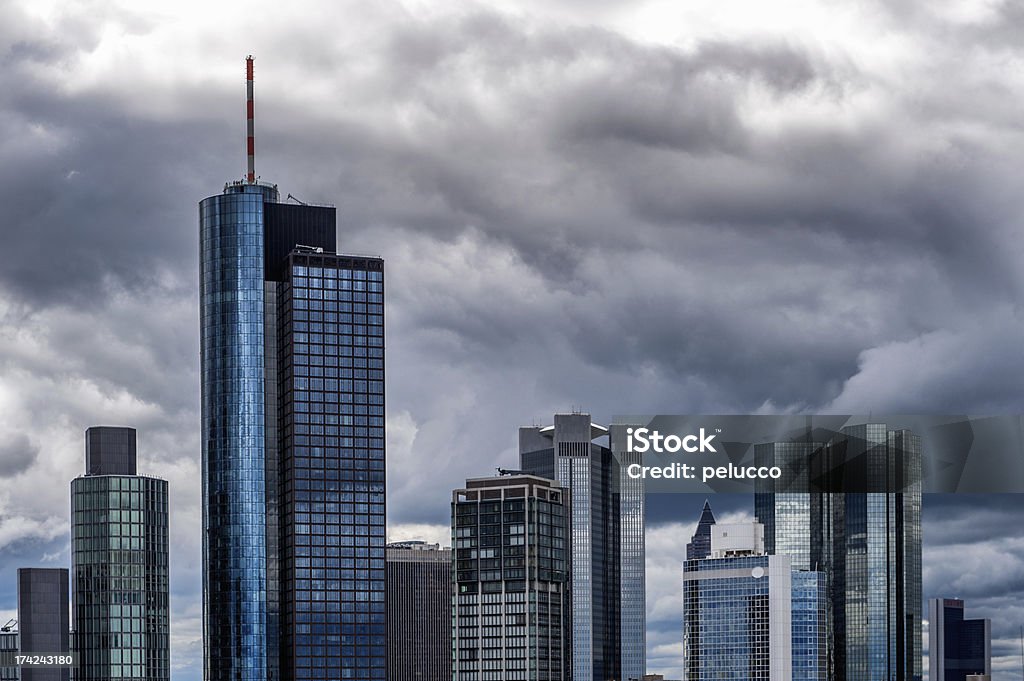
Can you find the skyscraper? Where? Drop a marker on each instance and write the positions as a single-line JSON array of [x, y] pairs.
[[510, 613], [119, 559], [785, 507], [292, 344], [862, 525], [748, 616], [700, 543], [606, 542], [419, 612], [957, 647], [43, 623]]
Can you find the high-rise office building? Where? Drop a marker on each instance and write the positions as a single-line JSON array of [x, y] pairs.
[[419, 612], [43, 622], [861, 524], [748, 616], [700, 544], [785, 507], [8, 647], [510, 612], [958, 648], [119, 563], [292, 344], [810, 625], [606, 542]]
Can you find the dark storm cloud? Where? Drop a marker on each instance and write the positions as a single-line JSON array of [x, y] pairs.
[[17, 453], [570, 218], [609, 168]]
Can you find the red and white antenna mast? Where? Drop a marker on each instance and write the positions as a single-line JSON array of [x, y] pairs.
[[251, 144]]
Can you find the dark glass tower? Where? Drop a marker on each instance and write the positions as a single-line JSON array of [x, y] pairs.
[[957, 647], [606, 543], [43, 622], [862, 525], [119, 556], [330, 490], [292, 342]]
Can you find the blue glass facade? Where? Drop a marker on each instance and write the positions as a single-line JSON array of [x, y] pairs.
[[736, 619], [863, 527], [331, 480], [231, 233], [293, 444], [810, 626], [607, 549]]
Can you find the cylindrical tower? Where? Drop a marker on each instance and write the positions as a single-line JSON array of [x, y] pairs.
[[231, 234]]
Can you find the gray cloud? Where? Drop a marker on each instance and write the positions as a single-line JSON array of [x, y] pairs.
[[570, 217], [17, 453]]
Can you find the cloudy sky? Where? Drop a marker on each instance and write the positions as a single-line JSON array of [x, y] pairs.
[[625, 207]]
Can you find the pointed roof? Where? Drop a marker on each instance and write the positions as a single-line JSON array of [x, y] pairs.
[[707, 517]]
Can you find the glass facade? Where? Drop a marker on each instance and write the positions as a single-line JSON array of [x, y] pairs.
[[864, 529], [510, 607], [632, 567], [231, 247], [737, 619], [120, 577], [607, 547], [810, 626], [783, 506], [957, 648], [292, 342], [330, 321]]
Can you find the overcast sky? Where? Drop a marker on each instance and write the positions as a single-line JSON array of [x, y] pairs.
[[623, 207]]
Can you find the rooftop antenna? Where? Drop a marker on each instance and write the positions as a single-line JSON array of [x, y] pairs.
[[251, 144]]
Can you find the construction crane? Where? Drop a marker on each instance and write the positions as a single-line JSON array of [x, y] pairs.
[[11, 623]]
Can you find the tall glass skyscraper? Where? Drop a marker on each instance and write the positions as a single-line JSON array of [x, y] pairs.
[[330, 493], [606, 543], [862, 525], [119, 557], [292, 343]]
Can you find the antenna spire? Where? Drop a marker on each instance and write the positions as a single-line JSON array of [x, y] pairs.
[[251, 143]]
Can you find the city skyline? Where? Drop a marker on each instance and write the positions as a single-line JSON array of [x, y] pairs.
[[948, 516], [577, 209]]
